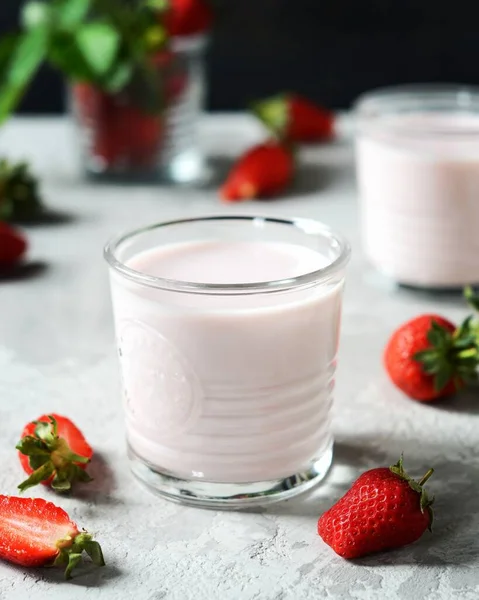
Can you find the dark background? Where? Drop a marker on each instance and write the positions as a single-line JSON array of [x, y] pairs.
[[330, 50]]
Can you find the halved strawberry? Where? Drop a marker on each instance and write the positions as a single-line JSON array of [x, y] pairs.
[[35, 533], [53, 451]]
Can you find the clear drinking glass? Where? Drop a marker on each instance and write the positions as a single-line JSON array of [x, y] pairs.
[[228, 386], [417, 156], [148, 130]]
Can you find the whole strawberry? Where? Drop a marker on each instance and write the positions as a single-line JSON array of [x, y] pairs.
[[264, 170], [53, 451], [12, 246], [384, 509], [294, 118], [35, 533], [429, 357], [188, 17]]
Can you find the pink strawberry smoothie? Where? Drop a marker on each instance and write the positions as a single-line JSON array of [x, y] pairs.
[[228, 388], [418, 177]]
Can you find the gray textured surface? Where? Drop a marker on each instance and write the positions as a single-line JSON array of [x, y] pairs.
[[57, 354]]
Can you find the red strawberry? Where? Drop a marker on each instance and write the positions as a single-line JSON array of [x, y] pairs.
[[384, 509], [35, 533], [188, 17], [53, 451], [121, 133], [294, 118], [264, 170], [428, 357], [12, 246], [174, 72]]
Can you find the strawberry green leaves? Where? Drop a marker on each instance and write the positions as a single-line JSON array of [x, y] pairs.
[[71, 555], [20, 199], [451, 356], [472, 298], [51, 458], [425, 502], [274, 113]]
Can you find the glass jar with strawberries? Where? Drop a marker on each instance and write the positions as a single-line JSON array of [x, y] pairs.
[[148, 129], [136, 81]]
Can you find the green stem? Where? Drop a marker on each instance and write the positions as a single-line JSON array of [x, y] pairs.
[[426, 477]]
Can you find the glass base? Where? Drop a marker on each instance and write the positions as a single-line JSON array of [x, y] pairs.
[[203, 494], [189, 169]]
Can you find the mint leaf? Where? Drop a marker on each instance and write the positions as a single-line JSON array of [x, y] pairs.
[[71, 13], [8, 44], [36, 14], [66, 56], [160, 5], [26, 58], [119, 77], [99, 44]]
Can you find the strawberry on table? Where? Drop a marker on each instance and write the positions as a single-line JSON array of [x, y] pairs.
[[429, 357], [295, 118], [264, 170], [35, 533], [53, 451], [383, 510], [13, 246]]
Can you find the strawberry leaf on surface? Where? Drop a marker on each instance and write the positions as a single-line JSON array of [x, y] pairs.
[[73, 561], [94, 551]]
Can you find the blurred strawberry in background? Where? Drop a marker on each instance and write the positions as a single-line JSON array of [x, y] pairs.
[[13, 246], [264, 170], [188, 17], [120, 132], [295, 118]]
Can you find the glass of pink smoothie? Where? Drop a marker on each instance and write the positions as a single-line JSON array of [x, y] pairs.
[[417, 155], [227, 332]]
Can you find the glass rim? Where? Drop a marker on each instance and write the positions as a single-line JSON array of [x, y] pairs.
[[307, 226], [428, 97]]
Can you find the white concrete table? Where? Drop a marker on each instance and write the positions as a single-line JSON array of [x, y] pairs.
[[57, 354]]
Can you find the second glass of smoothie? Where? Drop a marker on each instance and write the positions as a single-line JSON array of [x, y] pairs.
[[417, 155], [227, 332]]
